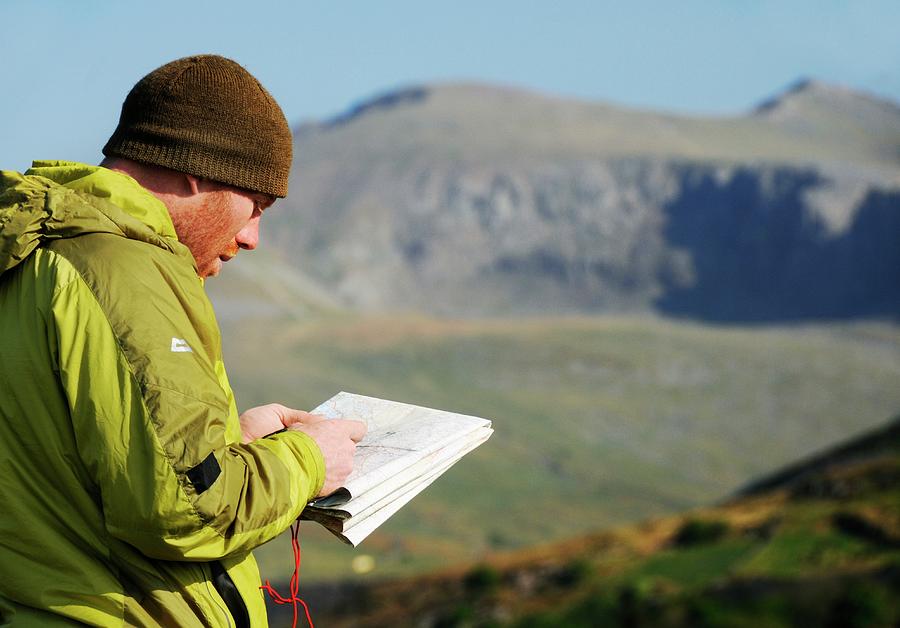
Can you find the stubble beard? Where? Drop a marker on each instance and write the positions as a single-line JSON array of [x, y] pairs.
[[205, 232]]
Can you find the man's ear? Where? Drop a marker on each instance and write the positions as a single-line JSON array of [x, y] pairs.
[[193, 183]]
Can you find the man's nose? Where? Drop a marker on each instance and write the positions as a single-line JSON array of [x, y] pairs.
[[248, 237]]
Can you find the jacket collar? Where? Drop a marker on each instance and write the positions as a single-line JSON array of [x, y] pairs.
[[118, 188]]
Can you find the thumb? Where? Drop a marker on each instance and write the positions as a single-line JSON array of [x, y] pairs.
[[290, 416], [356, 430]]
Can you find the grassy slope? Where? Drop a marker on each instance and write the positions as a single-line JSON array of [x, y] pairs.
[[821, 551], [605, 420]]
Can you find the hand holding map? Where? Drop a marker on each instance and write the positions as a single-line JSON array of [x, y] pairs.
[[405, 449]]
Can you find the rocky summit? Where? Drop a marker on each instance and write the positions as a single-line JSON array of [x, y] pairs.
[[478, 200]]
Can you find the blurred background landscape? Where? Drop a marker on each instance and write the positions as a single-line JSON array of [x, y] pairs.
[[654, 310], [659, 249]]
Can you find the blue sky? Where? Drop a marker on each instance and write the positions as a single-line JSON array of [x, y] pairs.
[[68, 65]]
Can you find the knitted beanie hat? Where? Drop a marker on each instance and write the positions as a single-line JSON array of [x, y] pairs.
[[206, 116]]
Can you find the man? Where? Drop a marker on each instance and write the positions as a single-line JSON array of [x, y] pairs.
[[132, 492]]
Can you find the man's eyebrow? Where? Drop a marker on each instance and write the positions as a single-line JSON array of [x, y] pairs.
[[264, 201]]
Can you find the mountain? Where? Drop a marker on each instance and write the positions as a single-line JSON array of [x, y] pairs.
[[813, 108], [478, 200], [817, 544]]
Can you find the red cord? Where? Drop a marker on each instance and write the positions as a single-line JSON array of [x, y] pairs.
[[295, 581]]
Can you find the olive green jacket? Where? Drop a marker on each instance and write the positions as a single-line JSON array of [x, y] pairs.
[[124, 485]]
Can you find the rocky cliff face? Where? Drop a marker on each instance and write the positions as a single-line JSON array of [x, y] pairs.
[[439, 203], [778, 243]]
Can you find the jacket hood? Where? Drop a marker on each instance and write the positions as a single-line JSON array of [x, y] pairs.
[[59, 199]]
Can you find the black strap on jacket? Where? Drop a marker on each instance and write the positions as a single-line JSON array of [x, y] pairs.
[[233, 600]]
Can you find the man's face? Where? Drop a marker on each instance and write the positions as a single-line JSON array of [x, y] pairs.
[[223, 221]]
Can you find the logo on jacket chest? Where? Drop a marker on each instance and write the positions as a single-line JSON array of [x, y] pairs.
[[180, 345]]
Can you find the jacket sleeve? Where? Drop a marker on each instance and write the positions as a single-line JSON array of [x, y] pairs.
[[156, 424]]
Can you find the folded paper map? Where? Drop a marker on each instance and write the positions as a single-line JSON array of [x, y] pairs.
[[405, 449]]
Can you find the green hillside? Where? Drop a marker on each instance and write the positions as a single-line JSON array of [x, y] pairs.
[[820, 546], [606, 420]]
